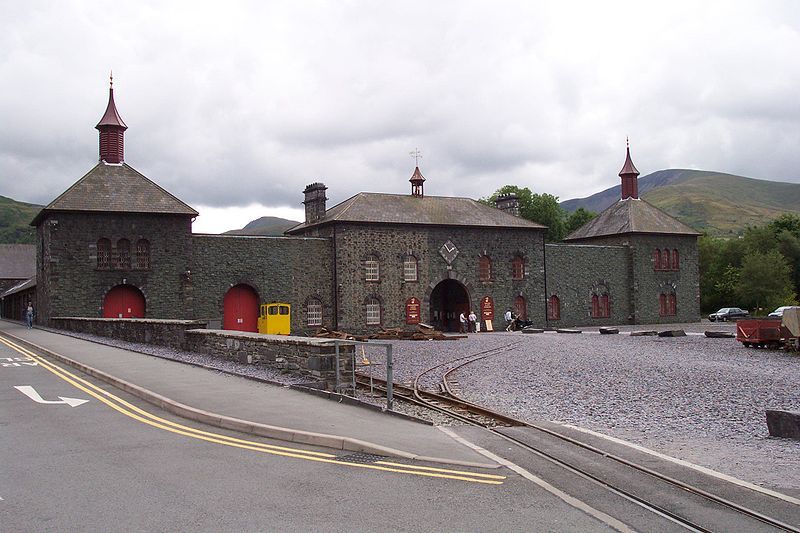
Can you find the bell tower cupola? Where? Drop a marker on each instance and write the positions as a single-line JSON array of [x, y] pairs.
[[629, 174], [112, 131]]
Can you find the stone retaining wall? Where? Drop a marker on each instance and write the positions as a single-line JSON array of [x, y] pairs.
[[307, 355], [170, 333]]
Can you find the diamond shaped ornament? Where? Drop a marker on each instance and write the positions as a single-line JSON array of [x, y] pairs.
[[448, 251]]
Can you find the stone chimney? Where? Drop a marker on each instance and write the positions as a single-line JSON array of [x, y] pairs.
[[315, 202], [508, 202]]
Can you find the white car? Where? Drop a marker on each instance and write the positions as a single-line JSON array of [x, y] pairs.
[[778, 313]]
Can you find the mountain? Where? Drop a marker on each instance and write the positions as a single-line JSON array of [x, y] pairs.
[[15, 219], [264, 226], [714, 202]]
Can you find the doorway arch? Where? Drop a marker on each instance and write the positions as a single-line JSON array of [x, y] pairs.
[[240, 309], [124, 301], [448, 299]]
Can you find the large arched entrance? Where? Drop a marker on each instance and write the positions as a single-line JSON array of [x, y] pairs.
[[124, 301], [240, 309], [448, 299]]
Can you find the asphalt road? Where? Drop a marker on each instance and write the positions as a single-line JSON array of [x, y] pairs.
[[104, 465]]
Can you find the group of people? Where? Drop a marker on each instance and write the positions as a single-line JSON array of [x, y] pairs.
[[469, 323]]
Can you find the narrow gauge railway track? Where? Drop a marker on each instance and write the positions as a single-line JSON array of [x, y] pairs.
[[450, 403]]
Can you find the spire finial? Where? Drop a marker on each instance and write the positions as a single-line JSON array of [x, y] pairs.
[[627, 142], [111, 79], [416, 155]]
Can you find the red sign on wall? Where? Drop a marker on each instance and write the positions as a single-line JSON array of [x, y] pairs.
[[487, 308], [412, 311]]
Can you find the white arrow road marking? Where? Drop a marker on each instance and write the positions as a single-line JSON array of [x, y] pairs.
[[31, 393]]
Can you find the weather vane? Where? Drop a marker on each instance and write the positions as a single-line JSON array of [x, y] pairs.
[[416, 155]]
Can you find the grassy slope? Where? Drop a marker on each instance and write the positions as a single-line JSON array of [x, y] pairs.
[[723, 204], [15, 218]]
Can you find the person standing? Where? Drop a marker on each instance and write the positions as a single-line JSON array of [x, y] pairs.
[[463, 320], [29, 315], [509, 320], [472, 320]]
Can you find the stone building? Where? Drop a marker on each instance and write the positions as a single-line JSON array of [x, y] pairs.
[[115, 244]]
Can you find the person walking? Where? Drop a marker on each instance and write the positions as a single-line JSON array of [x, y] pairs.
[[509, 320], [29, 315], [472, 321], [463, 320]]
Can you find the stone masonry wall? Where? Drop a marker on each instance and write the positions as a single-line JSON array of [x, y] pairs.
[[355, 243], [575, 271], [70, 284], [280, 269], [647, 283], [171, 333], [309, 356]]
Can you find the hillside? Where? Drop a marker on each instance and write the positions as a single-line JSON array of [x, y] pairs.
[[264, 226], [717, 203], [15, 219]]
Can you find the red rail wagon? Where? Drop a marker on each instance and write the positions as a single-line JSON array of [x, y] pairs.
[[761, 332]]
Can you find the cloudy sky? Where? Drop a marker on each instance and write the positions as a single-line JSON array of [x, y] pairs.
[[235, 106]]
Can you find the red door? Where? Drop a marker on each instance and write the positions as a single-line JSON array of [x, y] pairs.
[[124, 301], [240, 309]]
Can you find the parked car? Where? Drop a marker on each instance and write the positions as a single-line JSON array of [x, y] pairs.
[[778, 313], [728, 313]]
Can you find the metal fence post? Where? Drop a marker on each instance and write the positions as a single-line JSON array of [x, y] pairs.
[[336, 346], [389, 378]]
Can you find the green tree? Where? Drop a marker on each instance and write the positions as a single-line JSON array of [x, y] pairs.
[[578, 218], [765, 281], [541, 208], [786, 222]]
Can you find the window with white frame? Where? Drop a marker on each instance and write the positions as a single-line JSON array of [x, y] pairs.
[[314, 313], [372, 269], [373, 312], [410, 268]]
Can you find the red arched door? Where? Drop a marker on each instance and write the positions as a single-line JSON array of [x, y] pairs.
[[240, 309], [124, 301]]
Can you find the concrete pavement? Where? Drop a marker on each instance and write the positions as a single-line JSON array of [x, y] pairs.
[[239, 404]]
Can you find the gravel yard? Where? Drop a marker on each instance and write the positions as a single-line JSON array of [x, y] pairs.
[[694, 398]]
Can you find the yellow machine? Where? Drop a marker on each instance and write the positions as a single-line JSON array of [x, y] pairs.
[[275, 319]]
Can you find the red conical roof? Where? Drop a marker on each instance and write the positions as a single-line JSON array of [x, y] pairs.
[[111, 116], [628, 167], [417, 177]]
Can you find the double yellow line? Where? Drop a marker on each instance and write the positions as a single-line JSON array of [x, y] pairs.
[[130, 410]]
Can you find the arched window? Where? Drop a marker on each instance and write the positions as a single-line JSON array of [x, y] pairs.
[[410, 268], [656, 259], [553, 308], [517, 268], [124, 254], [373, 312], [314, 312], [484, 268], [676, 264], [143, 254], [521, 308], [666, 264], [372, 269], [103, 253]]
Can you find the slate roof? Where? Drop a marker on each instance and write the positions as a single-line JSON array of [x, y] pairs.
[[116, 188], [631, 215], [379, 208], [21, 286], [17, 261]]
